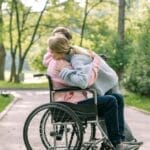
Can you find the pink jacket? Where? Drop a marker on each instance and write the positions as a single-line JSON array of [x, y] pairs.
[[72, 97]]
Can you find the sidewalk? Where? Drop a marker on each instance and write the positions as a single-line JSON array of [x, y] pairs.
[[11, 125]]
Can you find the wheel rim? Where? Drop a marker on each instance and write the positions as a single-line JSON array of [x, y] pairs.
[[42, 126]]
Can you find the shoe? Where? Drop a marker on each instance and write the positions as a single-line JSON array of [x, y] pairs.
[[125, 146], [134, 143]]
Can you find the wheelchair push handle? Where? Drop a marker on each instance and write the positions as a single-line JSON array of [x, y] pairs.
[[39, 75]]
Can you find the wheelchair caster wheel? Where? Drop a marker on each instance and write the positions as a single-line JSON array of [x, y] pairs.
[[53, 133], [94, 148], [105, 146], [57, 135]]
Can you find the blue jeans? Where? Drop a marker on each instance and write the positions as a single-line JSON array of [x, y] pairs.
[[111, 107]]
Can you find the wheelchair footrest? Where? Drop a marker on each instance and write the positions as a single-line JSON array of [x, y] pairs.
[[58, 134]]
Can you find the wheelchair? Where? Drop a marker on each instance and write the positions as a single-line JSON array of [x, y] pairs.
[[65, 126]]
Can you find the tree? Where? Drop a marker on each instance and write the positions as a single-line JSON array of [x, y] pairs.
[[87, 10], [121, 36], [121, 21], [138, 73], [19, 20], [2, 48]]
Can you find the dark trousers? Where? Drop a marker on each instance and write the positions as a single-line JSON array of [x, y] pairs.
[[111, 107]]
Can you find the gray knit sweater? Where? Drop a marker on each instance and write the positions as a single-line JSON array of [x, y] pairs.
[[80, 74]]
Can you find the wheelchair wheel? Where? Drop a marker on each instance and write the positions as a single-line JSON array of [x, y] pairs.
[[60, 129], [39, 135]]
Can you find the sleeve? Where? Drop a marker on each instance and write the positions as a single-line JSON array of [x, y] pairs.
[[81, 74], [74, 77], [116, 89], [94, 70], [47, 58]]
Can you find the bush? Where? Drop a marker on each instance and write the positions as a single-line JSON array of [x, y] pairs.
[[138, 73], [118, 56], [36, 59]]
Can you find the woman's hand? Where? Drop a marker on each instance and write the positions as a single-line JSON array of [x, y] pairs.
[[62, 64]]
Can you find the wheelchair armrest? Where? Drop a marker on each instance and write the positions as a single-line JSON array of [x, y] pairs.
[[39, 75], [70, 89]]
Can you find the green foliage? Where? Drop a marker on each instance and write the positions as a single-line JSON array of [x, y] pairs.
[[118, 56], [4, 101], [8, 85], [138, 73], [35, 62], [138, 101]]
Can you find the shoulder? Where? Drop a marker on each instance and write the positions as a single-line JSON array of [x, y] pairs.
[[81, 57], [47, 58], [78, 47]]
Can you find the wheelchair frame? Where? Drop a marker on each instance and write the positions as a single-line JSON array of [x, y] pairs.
[[72, 117]]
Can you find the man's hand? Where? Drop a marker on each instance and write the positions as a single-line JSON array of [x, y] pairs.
[[80, 50]]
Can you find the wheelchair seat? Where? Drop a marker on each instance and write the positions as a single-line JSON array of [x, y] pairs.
[[84, 111]]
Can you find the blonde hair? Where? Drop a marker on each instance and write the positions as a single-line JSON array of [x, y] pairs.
[[63, 30], [59, 44]]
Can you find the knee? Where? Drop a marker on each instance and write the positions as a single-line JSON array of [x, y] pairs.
[[112, 101], [120, 99]]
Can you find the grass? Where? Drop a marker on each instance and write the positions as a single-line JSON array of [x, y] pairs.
[[137, 101], [4, 101], [131, 99], [9, 85]]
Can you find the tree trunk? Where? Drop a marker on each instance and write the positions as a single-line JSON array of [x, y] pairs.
[[121, 21], [121, 32], [84, 22], [86, 12], [2, 61], [16, 48], [13, 69], [2, 49]]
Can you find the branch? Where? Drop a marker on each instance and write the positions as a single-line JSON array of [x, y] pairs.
[[35, 30], [10, 30], [94, 5], [18, 29], [25, 17]]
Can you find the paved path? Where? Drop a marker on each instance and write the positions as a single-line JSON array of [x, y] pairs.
[[11, 125]]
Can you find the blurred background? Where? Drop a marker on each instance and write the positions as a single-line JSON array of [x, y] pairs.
[[120, 29]]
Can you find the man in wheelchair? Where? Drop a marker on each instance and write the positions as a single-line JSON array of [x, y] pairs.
[[75, 66]]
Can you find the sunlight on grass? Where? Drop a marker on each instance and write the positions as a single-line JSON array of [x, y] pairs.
[[4, 101], [138, 101], [9, 85]]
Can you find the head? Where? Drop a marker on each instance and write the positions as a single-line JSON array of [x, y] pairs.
[[59, 46], [64, 31]]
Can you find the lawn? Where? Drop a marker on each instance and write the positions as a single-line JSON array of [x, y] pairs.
[[4, 101], [131, 99], [8, 85], [137, 101]]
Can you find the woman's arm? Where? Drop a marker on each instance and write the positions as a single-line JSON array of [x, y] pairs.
[[82, 75], [74, 77]]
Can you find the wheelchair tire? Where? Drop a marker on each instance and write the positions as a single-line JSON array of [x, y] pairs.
[[48, 116], [43, 135]]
